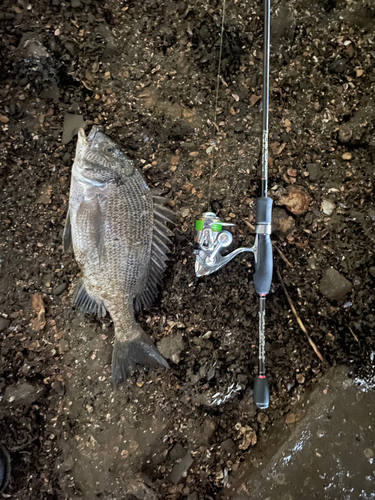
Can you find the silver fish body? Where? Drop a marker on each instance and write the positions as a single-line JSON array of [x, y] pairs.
[[117, 230]]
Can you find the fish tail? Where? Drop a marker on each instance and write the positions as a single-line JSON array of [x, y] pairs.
[[129, 353]]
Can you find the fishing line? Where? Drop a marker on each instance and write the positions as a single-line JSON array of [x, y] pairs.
[[215, 112], [210, 237]]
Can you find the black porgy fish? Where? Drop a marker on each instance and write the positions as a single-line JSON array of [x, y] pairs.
[[117, 229]]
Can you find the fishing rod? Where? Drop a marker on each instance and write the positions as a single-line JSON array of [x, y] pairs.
[[211, 238]]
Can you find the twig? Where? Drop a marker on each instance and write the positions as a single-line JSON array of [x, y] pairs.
[[299, 321], [283, 256], [249, 224], [354, 335]]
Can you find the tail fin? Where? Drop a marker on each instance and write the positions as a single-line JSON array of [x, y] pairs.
[[127, 354]]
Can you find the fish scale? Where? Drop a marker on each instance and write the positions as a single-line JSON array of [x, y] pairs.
[[112, 226]]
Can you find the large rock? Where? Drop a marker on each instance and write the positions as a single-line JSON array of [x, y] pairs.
[[333, 285], [326, 453], [23, 394]]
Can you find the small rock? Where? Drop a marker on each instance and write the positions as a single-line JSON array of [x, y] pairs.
[[369, 453], [327, 207], [71, 125], [4, 323], [347, 156], [371, 271], [23, 394], [185, 212], [300, 378], [291, 418], [229, 446], [4, 119], [180, 470], [177, 452], [333, 285], [345, 134], [171, 347], [67, 160], [282, 223], [337, 66], [315, 172], [63, 346], [59, 289]]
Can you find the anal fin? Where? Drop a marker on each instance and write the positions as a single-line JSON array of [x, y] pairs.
[[86, 303]]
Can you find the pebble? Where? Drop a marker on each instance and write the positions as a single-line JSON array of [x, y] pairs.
[[4, 119], [171, 347], [282, 222], [4, 323], [347, 156], [300, 378], [315, 172], [290, 418], [59, 289], [333, 285], [371, 271], [345, 134], [177, 452], [185, 212], [327, 207], [338, 66], [229, 446]]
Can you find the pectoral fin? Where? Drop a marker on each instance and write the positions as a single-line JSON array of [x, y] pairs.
[[67, 235], [90, 222]]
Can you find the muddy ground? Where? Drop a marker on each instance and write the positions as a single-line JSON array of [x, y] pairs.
[[146, 72]]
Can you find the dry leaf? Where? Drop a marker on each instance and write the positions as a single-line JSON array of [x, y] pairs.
[[277, 148], [39, 322], [45, 196], [296, 201], [254, 99]]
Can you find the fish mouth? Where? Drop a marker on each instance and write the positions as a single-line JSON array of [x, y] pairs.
[[96, 138]]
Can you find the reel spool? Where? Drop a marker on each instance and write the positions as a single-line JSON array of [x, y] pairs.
[[209, 241]]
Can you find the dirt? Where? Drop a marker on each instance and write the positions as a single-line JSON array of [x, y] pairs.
[[147, 73]]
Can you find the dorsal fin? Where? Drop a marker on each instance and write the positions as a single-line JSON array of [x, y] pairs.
[[159, 250]]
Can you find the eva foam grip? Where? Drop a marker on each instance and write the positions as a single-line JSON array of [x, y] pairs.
[[264, 258], [263, 210], [261, 393], [264, 265]]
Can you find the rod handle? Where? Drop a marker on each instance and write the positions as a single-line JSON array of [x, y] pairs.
[[261, 393], [263, 265]]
